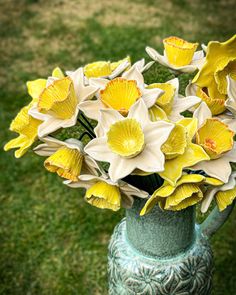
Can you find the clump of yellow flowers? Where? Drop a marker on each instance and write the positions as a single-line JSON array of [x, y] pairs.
[[128, 129]]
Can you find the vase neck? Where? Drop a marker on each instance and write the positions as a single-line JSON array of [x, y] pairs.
[[160, 233]]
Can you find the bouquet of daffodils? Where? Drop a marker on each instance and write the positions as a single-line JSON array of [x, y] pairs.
[[139, 140]]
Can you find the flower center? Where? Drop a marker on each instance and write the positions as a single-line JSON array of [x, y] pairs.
[[179, 52], [126, 138], [104, 196], [59, 99], [215, 137], [120, 94], [66, 162]]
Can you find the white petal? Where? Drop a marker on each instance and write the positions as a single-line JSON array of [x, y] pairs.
[[231, 123], [209, 195], [107, 118], [49, 126], [219, 168], [131, 190], [202, 113], [121, 167], [99, 83], [175, 83], [191, 89], [134, 74], [99, 150], [36, 114], [139, 111], [82, 92], [151, 95], [151, 159], [204, 47], [48, 148], [198, 55], [78, 184], [157, 133], [92, 108], [120, 69]]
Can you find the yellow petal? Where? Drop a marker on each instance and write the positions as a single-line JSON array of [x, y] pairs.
[[184, 196], [213, 181], [21, 142], [120, 94], [59, 99], [126, 138], [220, 59], [217, 106], [156, 113], [215, 137], [104, 196], [174, 167], [176, 143], [98, 69], [179, 52], [66, 162], [36, 87], [114, 65], [165, 101], [191, 126], [27, 127], [57, 73], [225, 198]]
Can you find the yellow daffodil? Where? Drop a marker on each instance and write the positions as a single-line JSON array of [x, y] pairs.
[[131, 142], [120, 93], [179, 55], [106, 69], [170, 104], [220, 62], [185, 193], [106, 194], [192, 154], [58, 104], [216, 105], [224, 194], [66, 158], [217, 140], [27, 127]]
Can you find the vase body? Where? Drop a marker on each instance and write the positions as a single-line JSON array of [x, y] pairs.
[[161, 253]]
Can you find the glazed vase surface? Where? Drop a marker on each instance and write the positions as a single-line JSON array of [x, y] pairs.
[[161, 253]]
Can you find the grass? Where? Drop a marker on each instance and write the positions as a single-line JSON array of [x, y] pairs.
[[52, 242]]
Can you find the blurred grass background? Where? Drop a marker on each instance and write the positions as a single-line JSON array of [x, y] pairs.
[[52, 242]]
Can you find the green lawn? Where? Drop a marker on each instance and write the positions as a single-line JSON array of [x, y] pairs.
[[52, 242]]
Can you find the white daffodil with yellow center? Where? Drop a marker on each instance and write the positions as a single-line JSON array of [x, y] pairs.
[[179, 55], [170, 104], [58, 104], [181, 153], [103, 193], [217, 140], [120, 93], [224, 194], [129, 143], [66, 158], [187, 192], [216, 105]]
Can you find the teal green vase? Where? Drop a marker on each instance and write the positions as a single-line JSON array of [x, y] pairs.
[[162, 253]]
